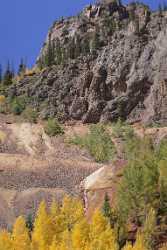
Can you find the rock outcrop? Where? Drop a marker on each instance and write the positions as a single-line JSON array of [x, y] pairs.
[[113, 64]]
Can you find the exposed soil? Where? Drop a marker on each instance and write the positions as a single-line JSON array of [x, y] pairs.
[[34, 167]]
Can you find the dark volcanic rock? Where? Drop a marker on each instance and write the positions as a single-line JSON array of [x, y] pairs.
[[126, 77]]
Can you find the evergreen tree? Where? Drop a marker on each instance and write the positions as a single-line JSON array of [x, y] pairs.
[[50, 53], [22, 67], [140, 180], [8, 75], [30, 223], [94, 43], [77, 47], [58, 52], [72, 48], [106, 209], [149, 229], [160, 9], [85, 47]]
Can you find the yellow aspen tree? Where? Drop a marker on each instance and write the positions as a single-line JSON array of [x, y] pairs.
[[66, 243], [3, 105], [5, 241], [107, 240], [80, 235], [128, 246], [55, 245], [42, 234], [98, 226], [54, 209], [2, 99], [99, 223], [139, 244], [20, 235], [56, 221], [72, 211]]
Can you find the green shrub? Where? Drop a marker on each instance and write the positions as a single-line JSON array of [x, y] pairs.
[[138, 190], [53, 128], [98, 142], [122, 130], [17, 106], [145, 181], [30, 115]]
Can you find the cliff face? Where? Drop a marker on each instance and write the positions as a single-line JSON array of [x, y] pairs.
[[113, 63]]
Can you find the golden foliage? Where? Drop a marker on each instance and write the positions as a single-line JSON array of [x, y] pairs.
[[5, 241], [2, 99], [20, 235], [65, 228]]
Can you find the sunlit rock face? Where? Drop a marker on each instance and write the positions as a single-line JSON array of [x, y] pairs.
[[124, 75]]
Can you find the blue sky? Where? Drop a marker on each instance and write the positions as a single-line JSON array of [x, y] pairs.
[[25, 23]]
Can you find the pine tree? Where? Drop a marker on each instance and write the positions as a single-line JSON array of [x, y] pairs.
[[22, 67], [85, 47], [77, 50], [149, 229], [106, 209], [30, 223], [50, 53], [160, 9], [8, 75], [58, 52], [140, 180], [94, 43], [72, 49], [20, 235]]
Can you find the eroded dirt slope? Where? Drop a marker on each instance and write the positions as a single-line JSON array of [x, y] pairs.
[[34, 167]]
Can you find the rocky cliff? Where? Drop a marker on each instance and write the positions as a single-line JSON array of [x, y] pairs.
[[110, 61]]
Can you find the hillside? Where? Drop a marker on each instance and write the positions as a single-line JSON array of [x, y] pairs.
[[89, 123], [105, 63]]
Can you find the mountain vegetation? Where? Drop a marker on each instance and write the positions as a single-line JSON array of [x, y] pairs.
[[105, 67], [65, 227]]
